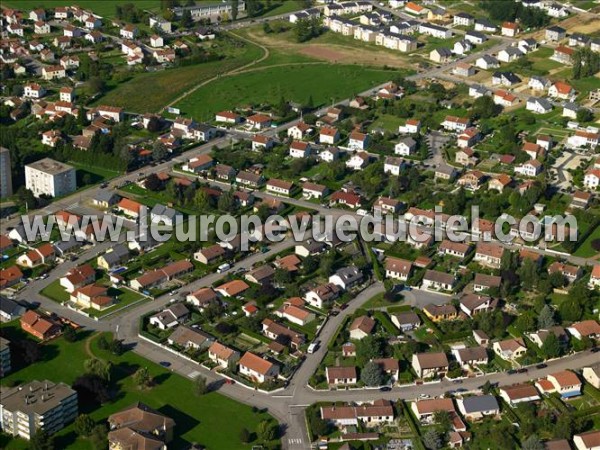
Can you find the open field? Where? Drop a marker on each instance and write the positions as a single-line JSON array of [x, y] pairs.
[[324, 82], [165, 86], [104, 8], [330, 47], [198, 419]]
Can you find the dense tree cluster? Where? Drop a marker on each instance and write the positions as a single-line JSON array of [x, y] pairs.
[[586, 63], [509, 10], [307, 29]]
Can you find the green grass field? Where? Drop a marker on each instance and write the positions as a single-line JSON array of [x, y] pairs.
[[150, 92], [585, 250], [104, 8], [212, 420], [326, 83]]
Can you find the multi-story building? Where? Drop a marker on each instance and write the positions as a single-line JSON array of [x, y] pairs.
[[5, 366], [50, 177], [37, 405], [5, 174]]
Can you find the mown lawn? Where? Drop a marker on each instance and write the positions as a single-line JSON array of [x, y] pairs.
[[212, 420], [585, 250], [325, 83]]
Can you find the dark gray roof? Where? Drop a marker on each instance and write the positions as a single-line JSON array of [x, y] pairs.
[[349, 274], [556, 29], [163, 211], [480, 403], [464, 15], [10, 307], [65, 246], [443, 51], [105, 196], [118, 252], [541, 101]]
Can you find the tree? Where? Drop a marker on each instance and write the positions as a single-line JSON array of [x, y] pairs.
[[584, 115], [564, 427], [94, 85], [546, 318], [84, 425], [372, 375], [484, 107], [443, 421], [570, 310], [142, 377], [532, 443], [234, 9], [69, 334], [200, 386], [551, 346], [186, 19], [30, 351], [432, 440], [226, 202], [41, 440], [99, 437], [159, 151], [370, 347], [98, 367], [152, 182], [282, 277], [266, 431]]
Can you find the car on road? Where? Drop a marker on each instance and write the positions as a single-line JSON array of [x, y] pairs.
[[523, 370], [165, 363], [595, 350], [385, 389], [424, 396], [457, 381], [541, 366], [104, 185], [511, 372], [229, 381]]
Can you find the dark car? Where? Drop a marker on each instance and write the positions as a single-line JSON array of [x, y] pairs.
[[457, 381], [165, 363], [595, 350], [541, 366], [523, 370], [385, 388], [511, 372]]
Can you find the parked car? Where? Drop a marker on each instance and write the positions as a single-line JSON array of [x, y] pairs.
[[165, 363]]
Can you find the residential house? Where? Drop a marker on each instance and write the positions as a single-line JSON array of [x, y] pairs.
[[257, 368], [441, 55], [361, 327], [341, 375], [561, 91], [223, 355], [405, 146], [519, 393], [439, 313], [555, 33], [190, 338], [487, 62], [300, 149], [563, 55], [358, 141], [510, 349], [393, 165], [430, 365], [322, 295], [591, 374], [473, 304], [565, 383], [538, 105], [39, 325], [477, 407], [471, 356], [170, 317], [358, 161], [585, 329], [398, 269]]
